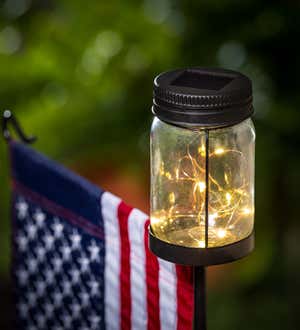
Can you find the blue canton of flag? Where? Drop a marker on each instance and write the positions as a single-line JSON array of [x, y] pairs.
[[81, 258], [58, 255]]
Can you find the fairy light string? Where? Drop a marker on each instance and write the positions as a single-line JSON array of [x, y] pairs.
[[228, 205]]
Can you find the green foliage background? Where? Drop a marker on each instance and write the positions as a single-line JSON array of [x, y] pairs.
[[79, 75]]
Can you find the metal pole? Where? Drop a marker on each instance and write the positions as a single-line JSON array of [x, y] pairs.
[[199, 298]]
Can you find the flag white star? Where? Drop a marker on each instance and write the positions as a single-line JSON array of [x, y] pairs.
[[22, 209], [31, 231], [85, 298], [32, 327], [85, 264], [49, 241], [41, 287], [31, 298], [50, 277], [32, 264], [75, 309], [57, 228], [84, 327], [41, 252], [57, 327], [76, 240], [49, 309], [75, 275], [57, 263], [22, 242], [67, 320], [23, 309], [66, 251], [94, 251], [95, 320], [94, 287], [57, 298], [41, 320], [67, 287], [39, 217], [23, 276]]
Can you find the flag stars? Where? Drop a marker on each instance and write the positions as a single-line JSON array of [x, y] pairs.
[[49, 274], [22, 209], [76, 240], [75, 308], [84, 327], [32, 265], [23, 309], [49, 241], [57, 263], [94, 286], [31, 231], [66, 251], [85, 264], [32, 327], [41, 252], [67, 287], [95, 320], [22, 242], [57, 228], [41, 287], [94, 251], [85, 298], [67, 321], [75, 275], [39, 217], [49, 309], [58, 327], [41, 321], [31, 297], [57, 298], [22, 276]]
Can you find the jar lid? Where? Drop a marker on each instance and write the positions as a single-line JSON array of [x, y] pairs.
[[194, 97]]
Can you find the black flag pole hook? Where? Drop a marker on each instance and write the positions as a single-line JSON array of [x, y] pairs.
[[7, 118]]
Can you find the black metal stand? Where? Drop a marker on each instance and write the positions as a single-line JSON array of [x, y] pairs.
[[199, 298], [199, 258]]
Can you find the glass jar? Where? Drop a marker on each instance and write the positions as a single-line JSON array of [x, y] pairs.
[[202, 158]]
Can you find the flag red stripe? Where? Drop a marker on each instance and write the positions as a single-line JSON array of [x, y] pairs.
[[185, 305], [125, 294], [152, 268]]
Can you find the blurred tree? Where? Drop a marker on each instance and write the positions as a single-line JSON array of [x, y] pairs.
[[79, 75]]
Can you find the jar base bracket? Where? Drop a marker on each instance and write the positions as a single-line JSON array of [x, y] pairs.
[[200, 256]]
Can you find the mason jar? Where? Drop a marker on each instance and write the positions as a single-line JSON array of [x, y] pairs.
[[202, 158]]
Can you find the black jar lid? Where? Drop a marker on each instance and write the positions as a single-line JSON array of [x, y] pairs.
[[202, 97]]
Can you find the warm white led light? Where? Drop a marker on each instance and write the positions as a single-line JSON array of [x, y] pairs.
[[228, 197], [212, 219], [172, 198], [246, 211], [219, 151], [201, 186], [201, 244], [221, 233]]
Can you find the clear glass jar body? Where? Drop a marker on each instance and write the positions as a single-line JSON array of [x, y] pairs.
[[183, 211]]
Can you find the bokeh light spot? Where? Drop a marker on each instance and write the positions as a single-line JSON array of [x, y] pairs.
[[10, 40], [231, 55], [15, 8]]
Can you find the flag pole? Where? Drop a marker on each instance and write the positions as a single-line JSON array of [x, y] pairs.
[[199, 298]]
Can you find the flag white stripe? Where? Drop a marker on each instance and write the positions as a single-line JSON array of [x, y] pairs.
[[136, 223], [167, 295], [110, 204]]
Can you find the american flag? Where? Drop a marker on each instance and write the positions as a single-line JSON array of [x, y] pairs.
[[81, 259]]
